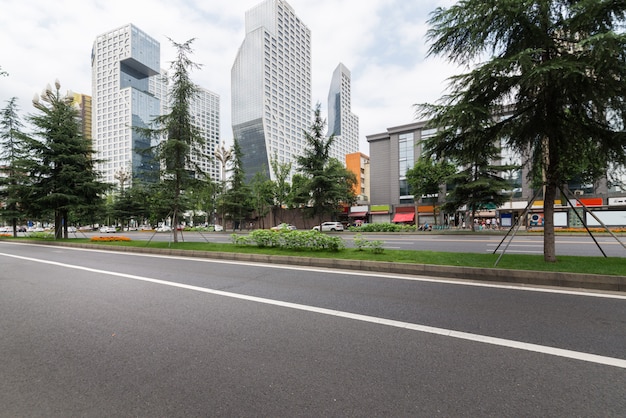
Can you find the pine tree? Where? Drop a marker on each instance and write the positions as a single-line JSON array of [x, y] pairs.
[[182, 138], [328, 183], [61, 162], [14, 179], [560, 64]]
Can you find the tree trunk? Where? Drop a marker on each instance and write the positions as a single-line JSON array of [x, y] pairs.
[[58, 224], [549, 248]]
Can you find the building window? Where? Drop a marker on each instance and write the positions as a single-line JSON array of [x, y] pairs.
[[406, 153]]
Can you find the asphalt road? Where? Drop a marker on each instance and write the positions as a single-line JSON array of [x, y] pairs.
[[92, 333], [577, 245]]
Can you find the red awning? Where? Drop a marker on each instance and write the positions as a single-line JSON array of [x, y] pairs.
[[403, 217], [358, 214]]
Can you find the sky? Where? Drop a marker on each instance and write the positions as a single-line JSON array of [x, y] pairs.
[[382, 43]]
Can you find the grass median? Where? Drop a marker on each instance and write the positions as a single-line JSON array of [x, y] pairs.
[[614, 266]]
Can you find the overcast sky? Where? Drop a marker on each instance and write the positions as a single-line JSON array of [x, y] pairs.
[[382, 42]]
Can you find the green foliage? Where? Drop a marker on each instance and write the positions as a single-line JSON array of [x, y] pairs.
[[61, 162], [549, 85], [328, 182], [262, 193], [236, 202], [291, 240], [427, 176], [282, 188], [376, 246], [182, 137], [14, 180], [382, 227]]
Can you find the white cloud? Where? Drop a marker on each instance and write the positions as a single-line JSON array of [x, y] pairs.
[[380, 41]]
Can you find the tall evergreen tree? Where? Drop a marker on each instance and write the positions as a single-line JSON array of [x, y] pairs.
[[62, 165], [14, 178], [559, 63], [182, 138], [236, 202], [326, 183], [479, 184]]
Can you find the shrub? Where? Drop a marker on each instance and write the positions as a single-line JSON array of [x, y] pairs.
[[361, 243], [240, 239], [292, 240], [383, 227]]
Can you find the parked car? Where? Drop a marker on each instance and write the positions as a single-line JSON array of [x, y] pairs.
[[283, 227], [216, 228], [164, 228], [329, 226], [71, 229], [107, 229]]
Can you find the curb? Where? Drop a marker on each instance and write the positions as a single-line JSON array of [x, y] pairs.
[[526, 277]]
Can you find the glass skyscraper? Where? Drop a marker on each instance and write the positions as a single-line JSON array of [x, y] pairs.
[[341, 121], [271, 87], [122, 61]]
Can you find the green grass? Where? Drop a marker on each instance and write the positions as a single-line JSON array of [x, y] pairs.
[[614, 266]]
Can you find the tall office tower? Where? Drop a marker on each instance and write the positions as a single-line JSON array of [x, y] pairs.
[[122, 61], [271, 87], [341, 121], [205, 114]]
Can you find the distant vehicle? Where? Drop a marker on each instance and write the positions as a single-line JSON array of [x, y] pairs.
[[283, 227], [145, 228], [107, 229], [6, 229], [71, 229], [216, 228], [164, 228], [35, 229], [329, 226]]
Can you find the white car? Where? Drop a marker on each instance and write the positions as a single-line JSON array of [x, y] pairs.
[[329, 226], [107, 229], [284, 227], [164, 228]]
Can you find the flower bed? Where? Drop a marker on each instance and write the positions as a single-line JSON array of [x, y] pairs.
[[110, 239]]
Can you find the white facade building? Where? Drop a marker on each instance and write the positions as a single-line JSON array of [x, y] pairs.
[[122, 62], [271, 87], [341, 121]]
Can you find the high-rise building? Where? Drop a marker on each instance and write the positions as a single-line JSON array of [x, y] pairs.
[[359, 164], [341, 121], [205, 114], [122, 62], [271, 87], [83, 102]]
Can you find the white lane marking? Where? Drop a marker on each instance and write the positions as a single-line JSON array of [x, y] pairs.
[[342, 272], [576, 355]]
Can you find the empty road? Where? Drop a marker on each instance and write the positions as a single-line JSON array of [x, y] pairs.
[[94, 333]]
